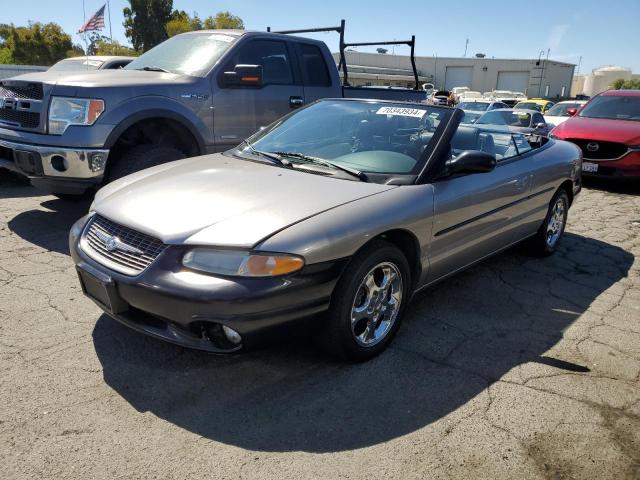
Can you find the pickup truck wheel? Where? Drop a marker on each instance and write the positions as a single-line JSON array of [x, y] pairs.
[[368, 303], [546, 240], [141, 157]]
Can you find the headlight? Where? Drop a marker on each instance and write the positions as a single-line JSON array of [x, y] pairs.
[[242, 264], [65, 111]]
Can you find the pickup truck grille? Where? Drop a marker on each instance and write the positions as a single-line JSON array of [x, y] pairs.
[[124, 249], [599, 150], [21, 90], [19, 118]]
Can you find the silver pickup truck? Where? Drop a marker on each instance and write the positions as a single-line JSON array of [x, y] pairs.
[[197, 93]]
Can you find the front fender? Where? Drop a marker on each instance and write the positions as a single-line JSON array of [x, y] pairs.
[[342, 231], [132, 111]]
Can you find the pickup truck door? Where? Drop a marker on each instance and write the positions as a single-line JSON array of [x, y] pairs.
[[478, 214], [240, 111], [315, 73]]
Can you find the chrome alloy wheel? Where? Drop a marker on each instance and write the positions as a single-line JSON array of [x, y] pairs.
[[556, 223], [376, 304]]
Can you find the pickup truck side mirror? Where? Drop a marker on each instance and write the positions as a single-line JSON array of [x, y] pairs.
[[470, 161], [572, 111], [243, 75]]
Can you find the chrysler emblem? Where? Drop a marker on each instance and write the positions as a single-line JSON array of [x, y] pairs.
[[113, 243], [593, 147]]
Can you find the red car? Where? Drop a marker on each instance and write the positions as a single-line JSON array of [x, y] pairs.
[[607, 130]]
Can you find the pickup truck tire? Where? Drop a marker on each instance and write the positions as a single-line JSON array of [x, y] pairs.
[[546, 240], [141, 157], [361, 303]]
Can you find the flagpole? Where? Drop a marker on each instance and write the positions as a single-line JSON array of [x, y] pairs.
[[84, 34], [110, 31]]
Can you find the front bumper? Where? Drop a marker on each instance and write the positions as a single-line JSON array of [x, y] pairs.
[[51, 165], [181, 306], [627, 166]]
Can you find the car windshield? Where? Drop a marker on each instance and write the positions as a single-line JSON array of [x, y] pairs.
[[560, 110], [617, 107], [506, 117], [477, 106], [529, 106], [76, 64], [363, 136], [191, 54]]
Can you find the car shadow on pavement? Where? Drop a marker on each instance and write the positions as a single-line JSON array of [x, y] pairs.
[[460, 337], [49, 228]]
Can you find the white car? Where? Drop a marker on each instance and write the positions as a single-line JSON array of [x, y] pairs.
[[562, 111], [474, 108]]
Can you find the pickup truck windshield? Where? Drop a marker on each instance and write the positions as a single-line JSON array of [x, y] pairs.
[[189, 54], [363, 136]]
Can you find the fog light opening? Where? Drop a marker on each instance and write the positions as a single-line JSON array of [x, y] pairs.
[[223, 337], [97, 162], [59, 163], [233, 336]]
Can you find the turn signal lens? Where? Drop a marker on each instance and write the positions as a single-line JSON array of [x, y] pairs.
[[242, 264], [272, 265]]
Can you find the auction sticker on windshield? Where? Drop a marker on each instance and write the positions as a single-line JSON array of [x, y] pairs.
[[403, 112]]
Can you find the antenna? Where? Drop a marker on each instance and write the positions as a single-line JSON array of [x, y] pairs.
[[466, 44]]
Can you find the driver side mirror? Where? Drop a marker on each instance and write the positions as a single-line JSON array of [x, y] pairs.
[[572, 111], [243, 75], [470, 161], [540, 126]]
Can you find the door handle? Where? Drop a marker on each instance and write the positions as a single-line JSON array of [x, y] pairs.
[[522, 183], [296, 102]]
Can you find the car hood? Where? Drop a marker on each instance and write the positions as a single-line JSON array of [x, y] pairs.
[[103, 78], [221, 200], [604, 129]]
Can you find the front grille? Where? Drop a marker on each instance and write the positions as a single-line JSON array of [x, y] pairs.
[[605, 150], [20, 118], [21, 90], [129, 262]]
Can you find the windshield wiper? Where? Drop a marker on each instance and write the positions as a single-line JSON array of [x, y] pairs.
[[321, 161], [154, 69], [271, 156]]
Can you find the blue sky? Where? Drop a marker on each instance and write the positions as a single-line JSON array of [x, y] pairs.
[[602, 33]]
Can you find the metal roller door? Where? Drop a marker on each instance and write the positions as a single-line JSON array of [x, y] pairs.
[[458, 77], [514, 81]]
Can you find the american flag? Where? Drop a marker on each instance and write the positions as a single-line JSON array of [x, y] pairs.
[[95, 23]]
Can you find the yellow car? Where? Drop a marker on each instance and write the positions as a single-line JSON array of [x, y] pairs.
[[538, 104]]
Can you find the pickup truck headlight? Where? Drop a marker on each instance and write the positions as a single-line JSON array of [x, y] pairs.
[[242, 264], [65, 111]]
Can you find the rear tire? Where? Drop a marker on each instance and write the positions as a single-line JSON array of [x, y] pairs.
[[141, 157], [546, 240], [368, 303]]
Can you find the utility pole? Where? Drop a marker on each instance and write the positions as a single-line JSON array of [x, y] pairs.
[[578, 67], [466, 44]]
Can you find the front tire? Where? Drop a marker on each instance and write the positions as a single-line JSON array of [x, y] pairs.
[[546, 240], [141, 157], [368, 303]]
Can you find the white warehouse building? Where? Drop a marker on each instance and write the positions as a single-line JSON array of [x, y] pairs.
[[535, 78]]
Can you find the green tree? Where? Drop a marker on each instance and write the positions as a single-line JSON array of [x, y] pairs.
[[36, 44], [5, 56], [622, 84], [106, 47], [223, 20], [182, 22], [145, 22]]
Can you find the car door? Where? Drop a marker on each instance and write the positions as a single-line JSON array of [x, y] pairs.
[[315, 73], [240, 111], [478, 214]]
